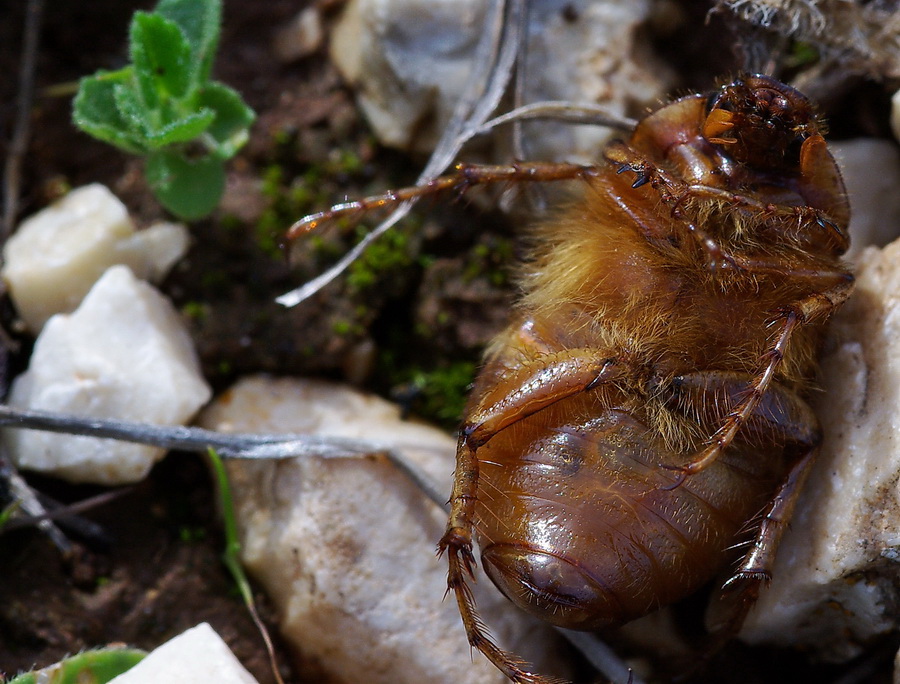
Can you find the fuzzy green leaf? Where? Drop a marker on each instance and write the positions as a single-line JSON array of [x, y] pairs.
[[161, 56], [190, 189], [200, 21], [184, 130], [233, 118], [99, 666], [134, 115], [96, 111]]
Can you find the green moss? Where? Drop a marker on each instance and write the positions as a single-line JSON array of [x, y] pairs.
[[434, 393], [269, 230], [346, 161], [195, 310], [392, 251], [230, 222], [273, 177], [190, 535], [802, 54], [444, 390], [341, 327], [490, 259]]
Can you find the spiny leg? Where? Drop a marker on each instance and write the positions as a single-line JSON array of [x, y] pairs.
[[781, 420], [464, 177], [818, 305], [754, 571], [546, 380]]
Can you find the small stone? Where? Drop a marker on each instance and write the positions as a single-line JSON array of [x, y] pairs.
[[345, 547], [871, 171], [301, 37], [124, 353], [57, 255], [196, 656], [411, 60], [837, 573], [895, 115]]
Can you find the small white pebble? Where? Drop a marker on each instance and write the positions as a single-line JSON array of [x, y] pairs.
[[196, 656], [299, 38], [57, 255], [124, 353], [895, 115]]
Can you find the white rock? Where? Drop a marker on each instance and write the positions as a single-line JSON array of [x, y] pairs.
[[837, 574], [196, 656], [410, 60], [302, 36], [124, 354], [871, 171], [895, 115], [57, 255], [346, 547]]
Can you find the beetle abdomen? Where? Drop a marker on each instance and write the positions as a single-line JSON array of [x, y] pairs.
[[583, 529]]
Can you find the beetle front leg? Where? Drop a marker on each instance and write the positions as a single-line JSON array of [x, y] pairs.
[[463, 177]]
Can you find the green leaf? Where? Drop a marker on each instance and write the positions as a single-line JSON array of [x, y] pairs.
[[190, 189], [161, 56], [96, 112], [200, 21], [182, 131], [98, 667], [232, 119], [134, 116]]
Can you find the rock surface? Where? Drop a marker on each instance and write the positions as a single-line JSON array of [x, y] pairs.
[[346, 547], [895, 115], [871, 171], [581, 51], [196, 656], [57, 255], [836, 582], [124, 354], [300, 37]]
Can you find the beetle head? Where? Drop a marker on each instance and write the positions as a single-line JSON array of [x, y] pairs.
[[760, 122]]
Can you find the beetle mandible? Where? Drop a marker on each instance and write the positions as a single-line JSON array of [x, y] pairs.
[[646, 402]]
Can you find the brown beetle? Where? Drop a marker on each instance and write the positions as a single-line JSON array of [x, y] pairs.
[[646, 403], [647, 400]]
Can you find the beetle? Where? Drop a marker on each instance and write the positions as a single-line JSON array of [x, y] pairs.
[[646, 401]]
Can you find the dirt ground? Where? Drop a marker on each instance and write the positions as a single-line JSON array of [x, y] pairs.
[[148, 565]]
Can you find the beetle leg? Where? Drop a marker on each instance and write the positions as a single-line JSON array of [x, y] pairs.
[[543, 381], [741, 590], [464, 177], [815, 306], [781, 418]]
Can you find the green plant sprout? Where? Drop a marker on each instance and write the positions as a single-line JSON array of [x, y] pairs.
[[164, 105], [94, 667], [231, 554]]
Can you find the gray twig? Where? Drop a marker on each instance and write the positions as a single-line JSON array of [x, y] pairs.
[[228, 445], [19, 142], [495, 57]]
